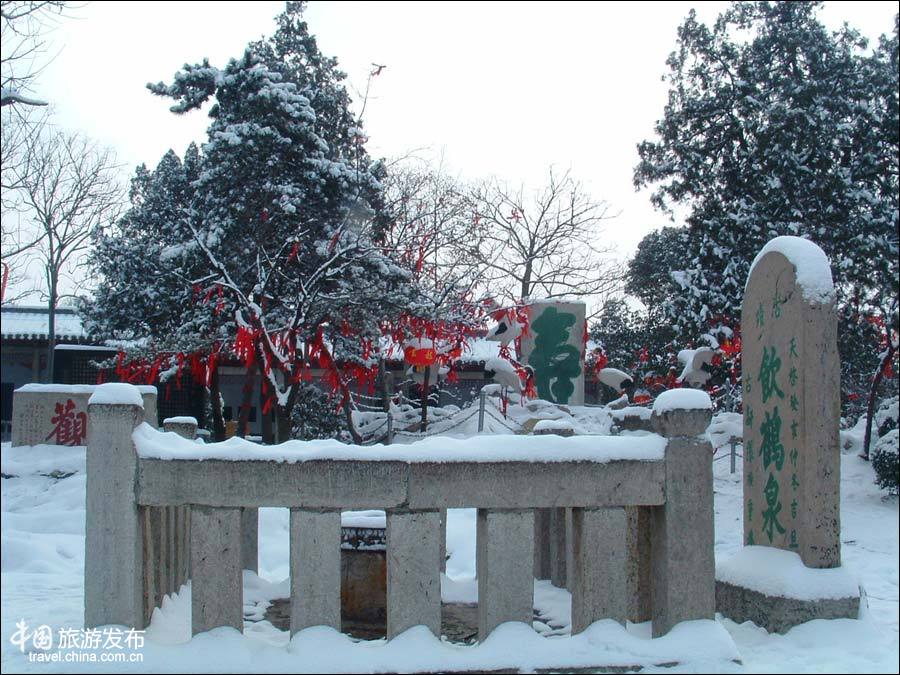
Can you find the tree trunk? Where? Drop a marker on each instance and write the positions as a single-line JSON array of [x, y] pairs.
[[425, 382], [247, 400], [348, 417], [282, 424], [386, 380], [870, 408], [526, 282], [51, 327], [215, 395]]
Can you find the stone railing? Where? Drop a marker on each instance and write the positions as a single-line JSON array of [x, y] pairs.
[[641, 524]]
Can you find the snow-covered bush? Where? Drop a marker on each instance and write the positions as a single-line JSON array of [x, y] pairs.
[[885, 448], [315, 415], [886, 463], [886, 417]]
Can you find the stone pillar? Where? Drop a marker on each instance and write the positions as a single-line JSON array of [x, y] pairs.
[[570, 551], [791, 402], [542, 543], [315, 569], [443, 540], [557, 547], [186, 427], [554, 347], [413, 571], [182, 546], [150, 527], [216, 579], [638, 572], [683, 565], [151, 414], [505, 562], [163, 562], [113, 566], [250, 538], [598, 573]]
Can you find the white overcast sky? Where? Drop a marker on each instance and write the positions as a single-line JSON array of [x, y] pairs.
[[503, 89]]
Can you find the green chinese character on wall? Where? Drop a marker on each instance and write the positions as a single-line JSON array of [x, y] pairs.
[[794, 455], [771, 448], [768, 371], [556, 363], [794, 426], [795, 404], [776, 305], [792, 376], [794, 543], [770, 515], [750, 540], [748, 415], [760, 316], [794, 508], [793, 353]]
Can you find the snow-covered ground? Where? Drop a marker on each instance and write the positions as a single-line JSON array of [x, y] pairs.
[[42, 583]]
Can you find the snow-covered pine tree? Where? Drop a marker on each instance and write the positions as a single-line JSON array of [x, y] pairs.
[[144, 295], [648, 276], [283, 214], [774, 126], [654, 276], [635, 342], [142, 272]]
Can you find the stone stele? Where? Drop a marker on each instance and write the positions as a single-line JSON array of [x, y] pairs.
[[554, 347], [57, 414], [791, 380]]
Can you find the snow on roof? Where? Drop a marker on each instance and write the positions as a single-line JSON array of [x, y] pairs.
[[476, 350], [480, 349], [811, 263], [32, 323], [84, 348]]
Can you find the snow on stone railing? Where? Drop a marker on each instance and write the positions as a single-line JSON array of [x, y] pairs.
[[637, 504], [57, 413]]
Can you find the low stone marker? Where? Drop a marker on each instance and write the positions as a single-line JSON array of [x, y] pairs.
[[56, 414], [554, 347], [791, 379]]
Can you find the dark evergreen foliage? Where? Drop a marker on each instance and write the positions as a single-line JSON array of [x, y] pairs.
[[776, 127]]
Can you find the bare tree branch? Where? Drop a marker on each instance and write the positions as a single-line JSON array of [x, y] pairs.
[[67, 187], [550, 245], [23, 27]]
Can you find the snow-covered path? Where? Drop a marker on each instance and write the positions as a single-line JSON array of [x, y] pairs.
[[43, 558]]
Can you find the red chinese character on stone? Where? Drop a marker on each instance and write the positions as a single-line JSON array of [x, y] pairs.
[[70, 428]]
